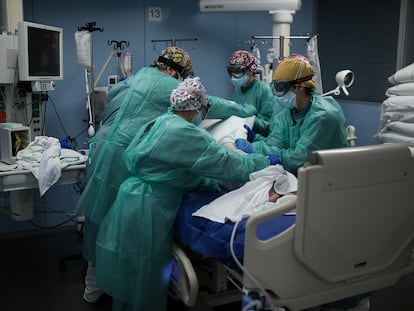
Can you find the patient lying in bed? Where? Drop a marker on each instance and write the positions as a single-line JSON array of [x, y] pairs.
[[266, 188], [206, 220]]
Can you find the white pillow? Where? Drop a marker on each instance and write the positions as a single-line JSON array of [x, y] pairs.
[[404, 89], [403, 75], [227, 130]]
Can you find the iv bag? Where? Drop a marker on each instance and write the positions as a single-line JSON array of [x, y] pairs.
[[83, 41], [127, 64], [313, 56]]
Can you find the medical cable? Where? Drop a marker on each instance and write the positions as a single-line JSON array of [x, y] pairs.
[[4, 211], [57, 115], [247, 273], [54, 226], [71, 217]]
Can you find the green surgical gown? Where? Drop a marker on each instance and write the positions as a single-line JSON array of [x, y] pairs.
[[145, 96], [259, 94], [166, 159], [113, 102], [294, 137]]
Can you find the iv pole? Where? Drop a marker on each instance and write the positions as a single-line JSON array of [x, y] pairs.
[[173, 41], [118, 46], [90, 27]]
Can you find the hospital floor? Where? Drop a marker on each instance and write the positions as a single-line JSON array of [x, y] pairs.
[[31, 278]]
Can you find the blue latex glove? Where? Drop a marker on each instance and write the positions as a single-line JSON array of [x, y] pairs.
[[274, 159], [250, 134], [244, 145]]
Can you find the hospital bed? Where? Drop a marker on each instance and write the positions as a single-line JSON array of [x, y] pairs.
[[353, 233]]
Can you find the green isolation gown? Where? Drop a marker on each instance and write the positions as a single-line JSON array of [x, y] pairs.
[[138, 100], [169, 157], [259, 95], [295, 135]]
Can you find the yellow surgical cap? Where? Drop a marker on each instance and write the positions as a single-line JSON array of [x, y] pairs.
[[291, 69]]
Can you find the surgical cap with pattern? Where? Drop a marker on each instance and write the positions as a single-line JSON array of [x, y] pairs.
[[180, 57], [245, 59], [189, 95]]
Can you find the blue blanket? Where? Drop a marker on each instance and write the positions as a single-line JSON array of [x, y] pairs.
[[212, 239]]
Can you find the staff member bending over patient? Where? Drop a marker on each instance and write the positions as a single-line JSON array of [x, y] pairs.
[[168, 157]]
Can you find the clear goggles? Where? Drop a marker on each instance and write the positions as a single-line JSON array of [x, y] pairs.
[[204, 111], [281, 87], [236, 71]]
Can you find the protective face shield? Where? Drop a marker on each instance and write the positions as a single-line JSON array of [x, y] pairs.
[[240, 82]]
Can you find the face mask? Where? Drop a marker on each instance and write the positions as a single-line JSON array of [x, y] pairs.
[[288, 100], [239, 82], [197, 119]]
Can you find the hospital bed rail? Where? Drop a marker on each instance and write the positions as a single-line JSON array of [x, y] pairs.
[[354, 230], [354, 234]]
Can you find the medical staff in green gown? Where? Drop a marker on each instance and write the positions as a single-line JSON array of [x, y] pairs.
[[251, 91], [168, 157], [309, 121], [139, 99], [113, 102]]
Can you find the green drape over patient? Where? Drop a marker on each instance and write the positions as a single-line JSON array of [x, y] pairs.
[[167, 158]]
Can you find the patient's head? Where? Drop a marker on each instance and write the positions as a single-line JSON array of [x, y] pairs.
[[284, 184]]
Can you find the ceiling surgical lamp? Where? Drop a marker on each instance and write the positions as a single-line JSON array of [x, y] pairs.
[[344, 78]]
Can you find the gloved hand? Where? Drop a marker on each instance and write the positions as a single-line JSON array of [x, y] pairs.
[[250, 133], [244, 145], [274, 159]]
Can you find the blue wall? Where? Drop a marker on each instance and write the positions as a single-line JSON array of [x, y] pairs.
[[218, 35]]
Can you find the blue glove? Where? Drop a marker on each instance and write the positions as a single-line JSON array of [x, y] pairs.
[[274, 159], [244, 145], [250, 134]]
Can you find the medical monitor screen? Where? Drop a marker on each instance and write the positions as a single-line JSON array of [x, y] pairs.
[[40, 52]]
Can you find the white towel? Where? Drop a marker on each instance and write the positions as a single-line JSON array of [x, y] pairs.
[[45, 159]]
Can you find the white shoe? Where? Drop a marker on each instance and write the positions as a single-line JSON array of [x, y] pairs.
[[92, 296], [92, 291]]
